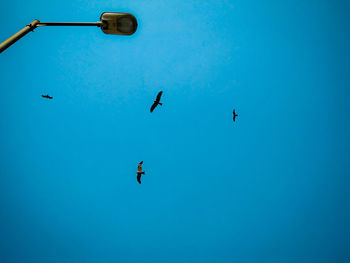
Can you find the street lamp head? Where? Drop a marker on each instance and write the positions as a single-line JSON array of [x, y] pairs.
[[118, 23]]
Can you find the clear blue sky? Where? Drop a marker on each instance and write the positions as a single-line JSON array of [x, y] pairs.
[[271, 187]]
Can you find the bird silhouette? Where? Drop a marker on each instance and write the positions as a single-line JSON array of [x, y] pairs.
[[234, 115], [139, 172], [156, 101], [47, 96]]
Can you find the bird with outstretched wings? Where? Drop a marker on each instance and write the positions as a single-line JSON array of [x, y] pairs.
[[139, 172], [234, 115], [157, 101], [46, 96]]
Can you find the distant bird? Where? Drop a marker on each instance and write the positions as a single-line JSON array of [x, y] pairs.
[[156, 102], [47, 96], [234, 115], [139, 172]]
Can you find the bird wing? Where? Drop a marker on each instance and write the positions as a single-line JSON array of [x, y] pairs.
[[139, 167], [159, 95], [154, 106], [139, 178]]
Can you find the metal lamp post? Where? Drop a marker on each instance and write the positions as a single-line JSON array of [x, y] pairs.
[[110, 23]]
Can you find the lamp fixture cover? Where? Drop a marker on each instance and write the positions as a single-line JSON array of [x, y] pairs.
[[118, 23]]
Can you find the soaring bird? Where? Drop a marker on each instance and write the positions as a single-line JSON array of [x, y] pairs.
[[156, 101], [46, 96], [139, 172], [234, 115]]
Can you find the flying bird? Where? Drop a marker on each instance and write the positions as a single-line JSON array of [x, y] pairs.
[[234, 115], [139, 172], [156, 101], [47, 96]]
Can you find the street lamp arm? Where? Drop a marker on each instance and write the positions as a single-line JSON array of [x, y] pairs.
[[36, 23], [98, 24], [110, 23], [8, 42]]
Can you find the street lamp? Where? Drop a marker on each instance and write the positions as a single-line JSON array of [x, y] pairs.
[[110, 23]]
